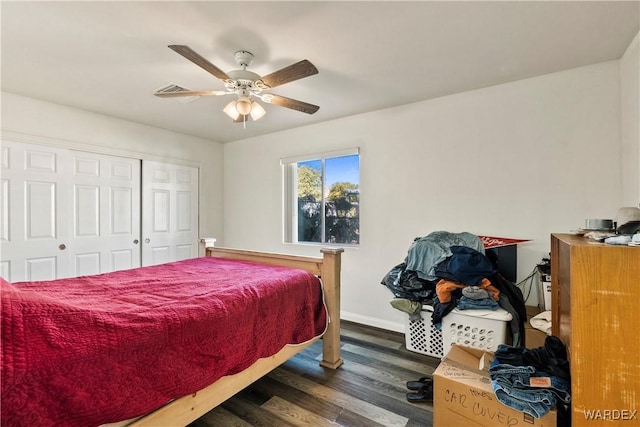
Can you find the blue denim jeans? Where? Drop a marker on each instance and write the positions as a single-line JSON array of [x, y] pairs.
[[533, 404], [466, 303], [511, 386]]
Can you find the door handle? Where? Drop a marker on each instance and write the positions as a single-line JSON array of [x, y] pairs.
[[136, 241], [62, 246], [147, 240]]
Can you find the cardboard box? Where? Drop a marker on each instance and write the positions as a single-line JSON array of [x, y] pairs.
[[463, 395], [534, 338]]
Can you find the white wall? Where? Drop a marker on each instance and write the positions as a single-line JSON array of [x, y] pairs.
[[630, 123], [30, 120], [521, 160]]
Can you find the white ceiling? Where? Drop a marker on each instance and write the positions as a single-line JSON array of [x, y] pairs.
[[109, 57]]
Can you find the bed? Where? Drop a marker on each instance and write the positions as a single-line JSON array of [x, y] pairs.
[[133, 365]]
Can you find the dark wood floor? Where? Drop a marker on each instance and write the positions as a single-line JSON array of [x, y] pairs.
[[369, 390]]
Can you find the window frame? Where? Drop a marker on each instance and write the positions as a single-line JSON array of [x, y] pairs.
[[290, 199]]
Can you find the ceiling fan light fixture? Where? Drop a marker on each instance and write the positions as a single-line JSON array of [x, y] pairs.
[[257, 111], [243, 105], [231, 110]]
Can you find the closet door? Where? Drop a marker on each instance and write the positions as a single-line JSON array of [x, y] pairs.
[[105, 214], [35, 201], [169, 212], [67, 213]]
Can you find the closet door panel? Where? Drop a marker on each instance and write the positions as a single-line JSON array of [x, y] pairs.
[[34, 228], [183, 211], [45, 268], [160, 206], [186, 213], [123, 259], [86, 210], [170, 212], [123, 210], [184, 251], [4, 210], [158, 255], [5, 273], [87, 263], [40, 210], [106, 207]]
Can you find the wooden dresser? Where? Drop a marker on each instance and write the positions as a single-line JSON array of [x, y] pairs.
[[596, 313]]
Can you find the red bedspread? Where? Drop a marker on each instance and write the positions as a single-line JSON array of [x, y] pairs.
[[95, 349]]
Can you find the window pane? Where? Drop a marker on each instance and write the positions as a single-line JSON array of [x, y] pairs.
[[309, 187], [342, 200], [322, 198]]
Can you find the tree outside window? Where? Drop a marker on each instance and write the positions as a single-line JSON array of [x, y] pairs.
[[328, 200]]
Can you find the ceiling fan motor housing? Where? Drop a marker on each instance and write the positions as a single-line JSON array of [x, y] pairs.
[[243, 79], [244, 58]]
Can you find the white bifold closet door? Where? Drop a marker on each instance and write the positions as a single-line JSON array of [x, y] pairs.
[[67, 213], [106, 214], [169, 212], [34, 228]]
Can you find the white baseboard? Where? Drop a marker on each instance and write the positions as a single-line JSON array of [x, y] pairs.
[[372, 321]]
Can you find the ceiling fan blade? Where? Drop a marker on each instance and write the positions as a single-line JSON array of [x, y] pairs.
[[192, 56], [292, 103], [288, 74], [191, 93]]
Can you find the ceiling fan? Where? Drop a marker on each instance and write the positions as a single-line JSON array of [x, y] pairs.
[[247, 85]]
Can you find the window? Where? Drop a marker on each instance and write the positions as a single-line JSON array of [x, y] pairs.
[[322, 198]]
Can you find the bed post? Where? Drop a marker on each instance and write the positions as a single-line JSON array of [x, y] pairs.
[[331, 281]]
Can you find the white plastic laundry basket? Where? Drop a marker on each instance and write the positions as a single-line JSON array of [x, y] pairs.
[[421, 336], [483, 329]]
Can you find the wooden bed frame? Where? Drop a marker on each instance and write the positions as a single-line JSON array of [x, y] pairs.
[[186, 409]]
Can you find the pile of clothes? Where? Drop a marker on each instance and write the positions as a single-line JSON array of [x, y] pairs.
[[448, 270], [533, 380]]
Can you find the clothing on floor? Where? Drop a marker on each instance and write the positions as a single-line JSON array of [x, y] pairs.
[[542, 322], [513, 387], [532, 380]]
